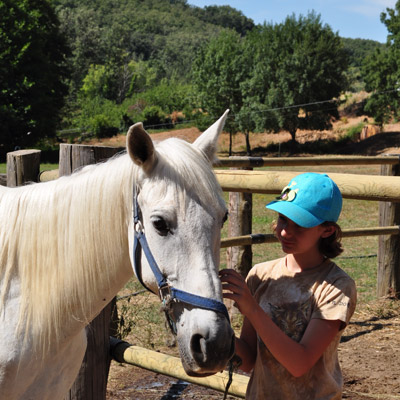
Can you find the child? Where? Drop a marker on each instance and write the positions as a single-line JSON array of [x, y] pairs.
[[296, 307]]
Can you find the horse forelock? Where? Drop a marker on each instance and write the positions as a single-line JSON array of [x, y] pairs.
[[186, 167]]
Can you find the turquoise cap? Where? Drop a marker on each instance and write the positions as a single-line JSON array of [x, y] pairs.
[[309, 200]]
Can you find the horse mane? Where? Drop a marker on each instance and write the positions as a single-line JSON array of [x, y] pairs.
[[64, 240]]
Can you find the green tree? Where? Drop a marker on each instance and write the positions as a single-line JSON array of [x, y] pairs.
[[32, 72], [217, 74], [382, 72], [298, 70], [225, 16]]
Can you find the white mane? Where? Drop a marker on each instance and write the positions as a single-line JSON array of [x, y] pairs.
[[65, 239]]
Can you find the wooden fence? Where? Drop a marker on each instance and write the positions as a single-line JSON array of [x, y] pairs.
[[384, 188]]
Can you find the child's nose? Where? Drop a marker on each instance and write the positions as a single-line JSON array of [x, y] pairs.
[[286, 230]]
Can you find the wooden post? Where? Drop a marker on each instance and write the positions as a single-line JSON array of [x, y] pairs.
[[91, 382], [388, 281], [239, 258], [23, 166], [240, 223]]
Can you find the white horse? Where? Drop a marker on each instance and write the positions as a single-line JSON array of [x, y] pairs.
[[66, 250]]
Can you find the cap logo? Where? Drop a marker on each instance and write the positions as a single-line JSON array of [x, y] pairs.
[[288, 194]]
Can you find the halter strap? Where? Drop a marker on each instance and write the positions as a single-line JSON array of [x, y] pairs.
[[168, 294]]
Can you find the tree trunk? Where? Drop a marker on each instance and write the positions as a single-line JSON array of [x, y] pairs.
[[248, 148], [293, 135]]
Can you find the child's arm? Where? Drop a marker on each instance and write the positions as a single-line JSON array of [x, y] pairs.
[[246, 346], [296, 357]]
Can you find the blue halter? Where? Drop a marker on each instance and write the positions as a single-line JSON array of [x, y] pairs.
[[167, 293]]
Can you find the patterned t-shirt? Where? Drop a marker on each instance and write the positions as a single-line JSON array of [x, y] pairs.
[[292, 300]]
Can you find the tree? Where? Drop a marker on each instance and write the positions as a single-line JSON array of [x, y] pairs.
[[217, 74], [382, 72], [225, 16], [32, 72], [298, 70]]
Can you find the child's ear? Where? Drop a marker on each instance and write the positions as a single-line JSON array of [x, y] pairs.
[[328, 231]]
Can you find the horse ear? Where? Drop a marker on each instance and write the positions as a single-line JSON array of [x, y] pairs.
[[207, 141], [140, 147]]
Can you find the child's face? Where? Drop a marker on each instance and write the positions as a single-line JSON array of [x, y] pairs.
[[295, 239]]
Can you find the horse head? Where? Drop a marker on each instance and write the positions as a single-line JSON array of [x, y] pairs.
[[180, 212]]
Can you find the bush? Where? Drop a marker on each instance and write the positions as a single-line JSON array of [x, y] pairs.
[[153, 116], [101, 126], [99, 117], [353, 133]]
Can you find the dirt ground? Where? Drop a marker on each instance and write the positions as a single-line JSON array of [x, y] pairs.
[[370, 348]]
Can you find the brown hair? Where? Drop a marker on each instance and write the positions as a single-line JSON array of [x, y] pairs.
[[330, 246]]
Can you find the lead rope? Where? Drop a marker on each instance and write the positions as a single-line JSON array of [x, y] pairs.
[[234, 364]]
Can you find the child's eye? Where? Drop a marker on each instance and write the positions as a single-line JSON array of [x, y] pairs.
[[282, 218]]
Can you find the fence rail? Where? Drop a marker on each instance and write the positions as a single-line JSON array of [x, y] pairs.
[[172, 366], [250, 162]]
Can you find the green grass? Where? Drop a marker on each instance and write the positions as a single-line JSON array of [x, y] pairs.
[[43, 167]]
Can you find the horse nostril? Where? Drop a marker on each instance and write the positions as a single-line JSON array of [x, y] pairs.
[[198, 347]]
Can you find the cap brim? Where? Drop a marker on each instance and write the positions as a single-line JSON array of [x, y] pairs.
[[297, 214]]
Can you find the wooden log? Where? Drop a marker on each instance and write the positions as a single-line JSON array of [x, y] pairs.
[[172, 366], [23, 166], [91, 381], [49, 175], [259, 238], [388, 279], [247, 162], [352, 186]]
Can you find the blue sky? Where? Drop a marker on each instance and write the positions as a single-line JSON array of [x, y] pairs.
[[350, 18]]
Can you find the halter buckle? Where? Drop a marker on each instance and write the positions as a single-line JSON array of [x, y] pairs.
[[138, 227], [165, 293]]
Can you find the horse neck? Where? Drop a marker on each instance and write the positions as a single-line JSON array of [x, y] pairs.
[[87, 260]]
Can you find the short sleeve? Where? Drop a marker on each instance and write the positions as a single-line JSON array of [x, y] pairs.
[[336, 300]]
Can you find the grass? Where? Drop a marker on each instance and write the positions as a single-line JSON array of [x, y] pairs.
[[43, 167]]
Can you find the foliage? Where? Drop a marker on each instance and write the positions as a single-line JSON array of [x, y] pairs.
[[226, 17], [217, 74], [165, 33], [282, 76], [32, 72], [357, 51], [382, 72], [99, 117], [304, 73]]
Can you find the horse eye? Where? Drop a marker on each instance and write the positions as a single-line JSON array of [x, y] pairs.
[[161, 226]]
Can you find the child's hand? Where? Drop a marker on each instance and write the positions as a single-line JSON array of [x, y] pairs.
[[235, 288]]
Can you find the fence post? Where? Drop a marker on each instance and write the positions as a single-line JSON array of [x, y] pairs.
[[239, 258], [240, 207], [91, 382], [388, 279], [23, 166]]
